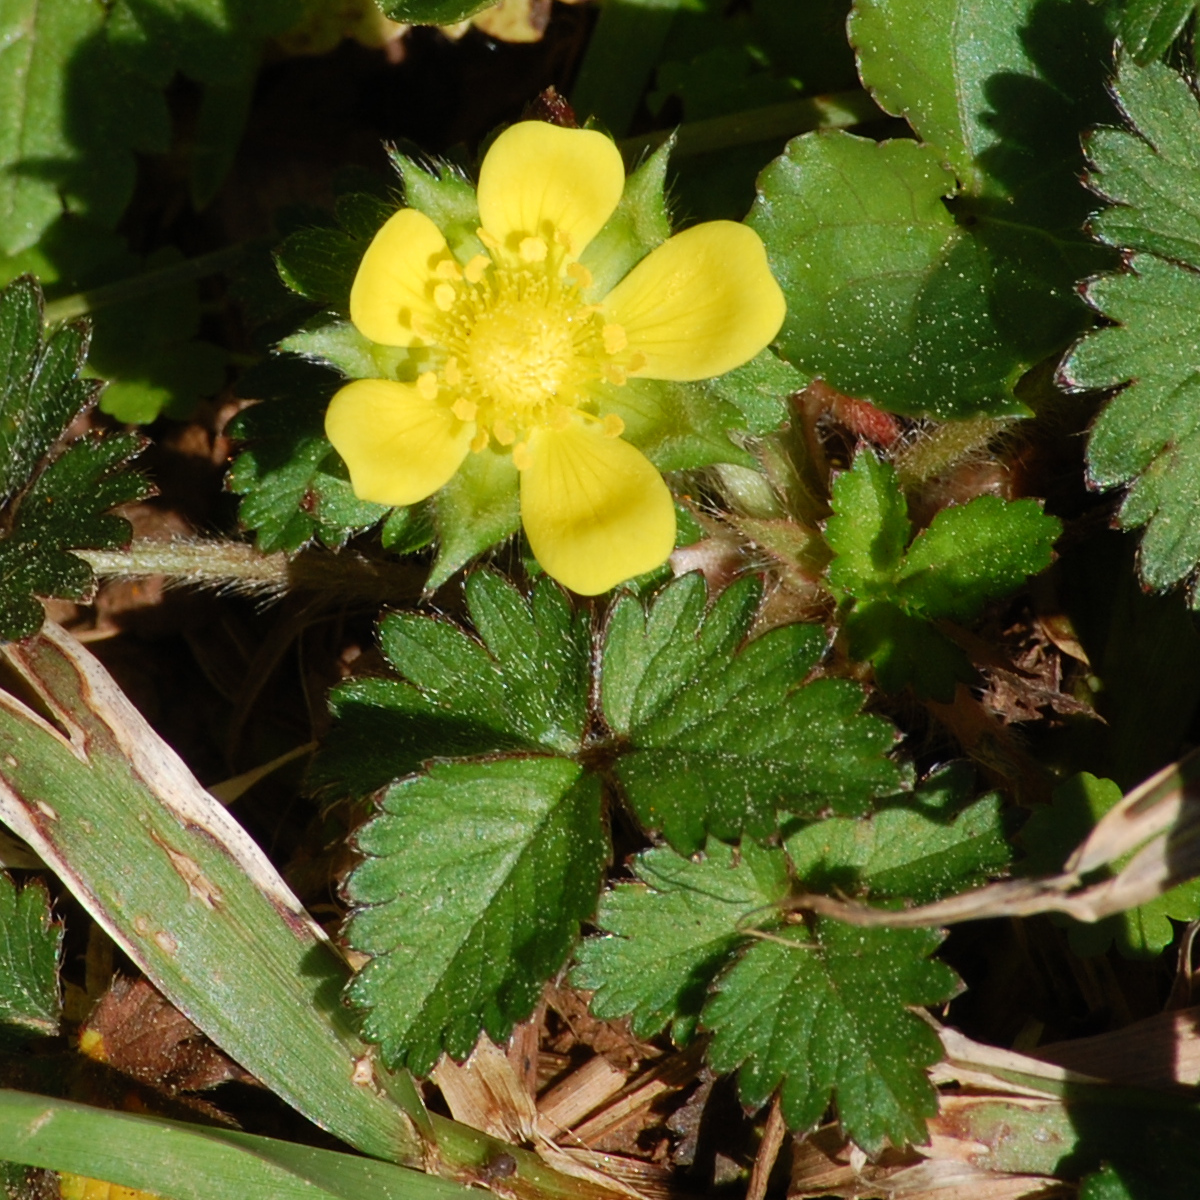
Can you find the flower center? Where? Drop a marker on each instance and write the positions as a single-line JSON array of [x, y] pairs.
[[522, 354], [521, 348]]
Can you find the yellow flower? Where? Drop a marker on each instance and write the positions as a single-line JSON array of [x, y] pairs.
[[515, 357]]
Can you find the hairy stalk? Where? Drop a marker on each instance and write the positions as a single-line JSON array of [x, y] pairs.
[[933, 452], [239, 567], [837, 110], [80, 304]]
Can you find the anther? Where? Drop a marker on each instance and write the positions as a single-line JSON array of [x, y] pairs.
[[464, 409], [533, 250], [448, 269], [486, 238], [580, 275], [427, 386], [612, 425], [564, 239], [615, 374], [444, 296], [475, 269], [522, 459], [479, 441], [615, 338], [503, 433], [451, 372], [560, 418], [637, 361]]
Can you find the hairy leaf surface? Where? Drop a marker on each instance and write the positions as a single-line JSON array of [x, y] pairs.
[[508, 855], [720, 738]]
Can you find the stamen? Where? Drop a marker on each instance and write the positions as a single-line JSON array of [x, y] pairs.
[[522, 459], [533, 250], [464, 409], [477, 267], [486, 238], [560, 418], [419, 327], [479, 441], [581, 276], [444, 296], [564, 239], [447, 269], [615, 338], [637, 360], [612, 425], [427, 386], [452, 373], [503, 433], [615, 373]]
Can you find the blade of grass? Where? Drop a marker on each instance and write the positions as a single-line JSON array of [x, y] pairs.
[[192, 1162]]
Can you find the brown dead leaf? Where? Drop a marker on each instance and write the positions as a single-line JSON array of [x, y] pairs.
[[134, 1030]]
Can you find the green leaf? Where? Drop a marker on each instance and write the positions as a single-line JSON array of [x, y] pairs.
[[1148, 27], [928, 278], [974, 552], [889, 298], [433, 12], [669, 934], [1054, 831], [1149, 169], [1147, 434], [30, 944], [1003, 89], [906, 650], [720, 739], [930, 843], [968, 555], [820, 1012], [869, 529], [523, 687], [509, 855], [54, 502], [320, 265], [293, 483]]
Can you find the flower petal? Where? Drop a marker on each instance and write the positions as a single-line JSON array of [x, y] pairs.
[[595, 510], [538, 180], [395, 280], [399, 446], [700, 304]]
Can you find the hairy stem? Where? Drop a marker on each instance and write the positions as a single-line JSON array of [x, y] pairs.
[[239, 567], [837, 110], [80, 304]]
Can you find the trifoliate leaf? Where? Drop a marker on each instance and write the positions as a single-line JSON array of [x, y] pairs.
[[930, 843], [820, 1012], [668, 935], [969, 554], [1147, 434], [478, 878], [720, 739], [1054, 831], [55, 500], [524, 687], [30, 942]]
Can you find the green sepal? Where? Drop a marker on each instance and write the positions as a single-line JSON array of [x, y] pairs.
[[447, 198], [640, 222], [478, 508], [339, 344]]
